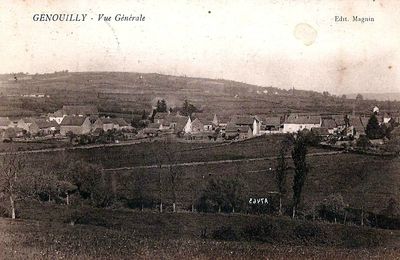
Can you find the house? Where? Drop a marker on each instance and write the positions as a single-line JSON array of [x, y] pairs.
[[215, 120], [253, 122], [209, 121], [342, 122], [29, 125], [76, 124], [329, 124], [357, 126], [176, 123], [38, 126], [390, 118], [233, 131], [5, 123], [59, 115], [271, 125], [160, 116], [320, 131], [46, 127], [194, 126], [153, 129], [104, 123], [294, 123], [121, 124]]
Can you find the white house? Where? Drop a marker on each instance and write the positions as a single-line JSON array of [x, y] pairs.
[[188, 126], [295, 123], [57, 116], [195, 126]]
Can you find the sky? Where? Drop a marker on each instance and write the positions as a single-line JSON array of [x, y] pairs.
[[268, 43]]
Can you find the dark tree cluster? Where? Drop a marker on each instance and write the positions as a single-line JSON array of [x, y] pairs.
[[188, 109], [161, 106]]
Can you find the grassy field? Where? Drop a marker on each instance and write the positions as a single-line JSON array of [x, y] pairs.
[[32, 145], [149, 153], [109, 234]]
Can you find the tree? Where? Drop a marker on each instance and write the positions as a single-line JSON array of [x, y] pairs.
[[226, 195], [363, 174], [188, 109], [301, 168], [373, 129], [359, 97], [144, 115], [66, 188], [137, 186], [196, 187], [326, 94], [11, 167], [281, 170], [334, 204], [161, 106], [169, 159], [90, 183]]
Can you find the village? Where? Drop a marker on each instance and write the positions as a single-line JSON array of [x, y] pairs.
[[83, 124]]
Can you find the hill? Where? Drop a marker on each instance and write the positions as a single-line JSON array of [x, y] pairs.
[[130, 93]]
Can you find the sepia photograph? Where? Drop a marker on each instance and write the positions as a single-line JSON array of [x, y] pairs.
[[188, 129]]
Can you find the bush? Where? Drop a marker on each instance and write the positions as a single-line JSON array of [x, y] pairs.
[[309, 233], [363, 142], [263, 231], [137, 203], [4, 212], [225, 233], [355, 238]]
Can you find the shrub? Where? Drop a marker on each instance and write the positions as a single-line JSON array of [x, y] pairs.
[[4, 212], [263, 231], [225, 233], [363, 142], [355, 238], [309, 232]]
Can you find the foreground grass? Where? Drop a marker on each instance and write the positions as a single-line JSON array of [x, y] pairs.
[[127, 234], [48, 240]]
